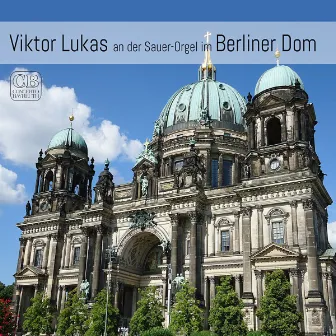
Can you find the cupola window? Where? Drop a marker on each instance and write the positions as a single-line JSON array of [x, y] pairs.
[[273, 131], [227, 173], [214, 173]]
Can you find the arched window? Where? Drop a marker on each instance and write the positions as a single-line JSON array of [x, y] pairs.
[[49, 181], [273, 131]]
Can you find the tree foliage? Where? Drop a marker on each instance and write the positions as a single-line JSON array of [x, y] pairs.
[[73, 318], [149, 313], [158, 331], [278, 311], [38, 317], [226, 316], [96, 322], [6, 292], [7, 319], [186, 315]]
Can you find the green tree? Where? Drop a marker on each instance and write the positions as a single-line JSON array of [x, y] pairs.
[[226, 316], [38, 317], [148, 314], [7, 319], [96, 322], [278, 311], [186, 316], [6, 292], [73, 318]]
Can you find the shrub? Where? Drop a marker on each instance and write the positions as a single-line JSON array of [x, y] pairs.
[[204, 333], [157, 332]]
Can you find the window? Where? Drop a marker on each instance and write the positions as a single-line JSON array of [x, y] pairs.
[[38, 258], [278, 232], [178, 164], [273, 131], [225, 241], [76, 255], [227, 173], [214, 173]]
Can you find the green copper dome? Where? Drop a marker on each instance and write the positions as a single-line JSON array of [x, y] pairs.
[[68, 138], [220, 102], [280, 75]]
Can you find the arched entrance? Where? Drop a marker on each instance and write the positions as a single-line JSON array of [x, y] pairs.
[[141, 257]]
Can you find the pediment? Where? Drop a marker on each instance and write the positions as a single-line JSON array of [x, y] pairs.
[[275, 251], [270, 101], [143, 163], [30, 271]]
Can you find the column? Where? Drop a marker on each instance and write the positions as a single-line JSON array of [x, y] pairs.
[[82, 258], [331, 300], [32, 255], [236, 170], [252, 133], [260, 227], [220, 170], [246, 227], [63, 297], [294, 280], [237, 232], [22, 245], [293, 205], [51, 283], [296, 125], [238, 284], [67, 251], [19, 307], [27, 252], [59, 298], [212, 235], [325, 287], [164, 291], [284, 127], [134, 299], [303, 126], [193, 247], [258, 275], [308, 206], [174, 227], [206, 302], [208, 168], [212, 289], [96, 263], [46, 253], [262, 131]]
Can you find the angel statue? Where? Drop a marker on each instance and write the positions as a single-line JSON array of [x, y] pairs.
[[144, 186]]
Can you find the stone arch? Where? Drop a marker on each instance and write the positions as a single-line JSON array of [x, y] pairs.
[[76, 240], [136, 245], [223, 222], [160, 233], [38, 243]]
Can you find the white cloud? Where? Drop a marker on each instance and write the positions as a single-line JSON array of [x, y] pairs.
[[332, 234], [27, 126], [10, 191]]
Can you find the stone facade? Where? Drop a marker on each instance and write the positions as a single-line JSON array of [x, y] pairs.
[[223, 202]]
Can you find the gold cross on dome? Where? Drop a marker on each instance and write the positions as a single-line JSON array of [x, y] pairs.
[[207, 36]]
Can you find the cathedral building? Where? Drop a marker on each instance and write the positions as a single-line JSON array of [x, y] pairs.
[[227, 186]]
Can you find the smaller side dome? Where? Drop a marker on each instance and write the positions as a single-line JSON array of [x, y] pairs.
[[68, 138], [280, 75]]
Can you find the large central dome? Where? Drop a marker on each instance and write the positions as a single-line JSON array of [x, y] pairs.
[[207, 98], [223, 103]]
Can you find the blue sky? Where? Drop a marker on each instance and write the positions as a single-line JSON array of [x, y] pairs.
[[132, 96]]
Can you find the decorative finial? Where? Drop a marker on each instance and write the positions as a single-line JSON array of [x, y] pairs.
[[146, 144], [207, 70], [107, 163], [41, 153], [71, 118], [277, 56], [249, 97]]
